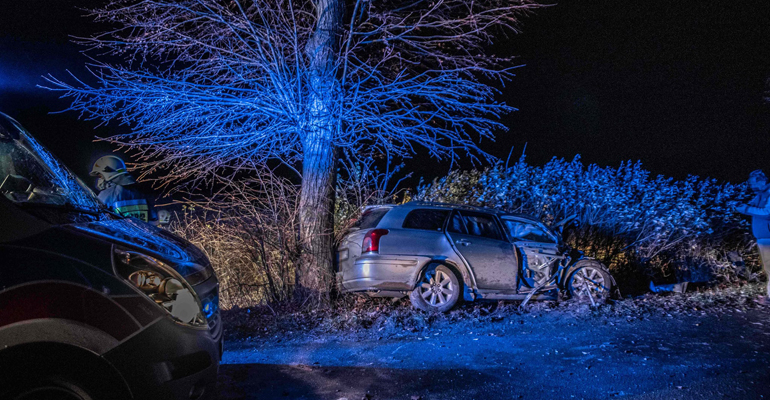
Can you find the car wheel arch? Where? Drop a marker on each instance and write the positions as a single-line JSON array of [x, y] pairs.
[[60, 331], [582, 263], [568, 272], [463, 275]]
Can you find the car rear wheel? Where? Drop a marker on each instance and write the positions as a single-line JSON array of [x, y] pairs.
[[439, 290], [590, 283]]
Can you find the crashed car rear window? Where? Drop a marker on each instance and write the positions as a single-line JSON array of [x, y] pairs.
[[431, 220], [371, 218]]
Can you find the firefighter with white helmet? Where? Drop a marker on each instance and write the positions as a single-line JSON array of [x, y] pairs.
[[759, 210], [118, 189]]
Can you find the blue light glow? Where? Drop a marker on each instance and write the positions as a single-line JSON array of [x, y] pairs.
[[210, 307], [137, 233]]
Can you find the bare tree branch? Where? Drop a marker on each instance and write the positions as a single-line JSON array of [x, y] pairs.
[[209, 85]]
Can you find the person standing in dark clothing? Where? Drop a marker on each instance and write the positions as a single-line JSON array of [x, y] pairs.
[[118, 190], [759, 210]]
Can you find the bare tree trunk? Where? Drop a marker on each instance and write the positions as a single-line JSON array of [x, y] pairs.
[[318, 167]]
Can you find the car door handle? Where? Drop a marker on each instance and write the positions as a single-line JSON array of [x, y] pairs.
[[463, 242]]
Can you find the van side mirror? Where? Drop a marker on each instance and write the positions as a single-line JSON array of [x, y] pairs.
[[8, 131], [16, 183]]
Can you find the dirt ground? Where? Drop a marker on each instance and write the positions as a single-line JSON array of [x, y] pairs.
[[547, 355]]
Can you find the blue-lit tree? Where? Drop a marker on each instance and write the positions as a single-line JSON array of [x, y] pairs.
[[216, 86]]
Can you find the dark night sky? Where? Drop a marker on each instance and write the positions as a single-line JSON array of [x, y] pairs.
[[675, 84]]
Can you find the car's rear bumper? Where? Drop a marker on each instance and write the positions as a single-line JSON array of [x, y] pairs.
[[374, 272], [169, 361]]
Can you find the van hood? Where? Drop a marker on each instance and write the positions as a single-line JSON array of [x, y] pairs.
[[145, 238]]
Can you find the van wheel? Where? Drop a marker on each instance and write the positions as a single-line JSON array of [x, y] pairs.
[[51, 389], [439, 290], [47, 371]]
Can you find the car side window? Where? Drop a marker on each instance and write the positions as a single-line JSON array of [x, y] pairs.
[[482, 225], [425, 219], [456, 224]]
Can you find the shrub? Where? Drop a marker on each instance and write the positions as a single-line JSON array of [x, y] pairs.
[[249, 231], [641, 226]]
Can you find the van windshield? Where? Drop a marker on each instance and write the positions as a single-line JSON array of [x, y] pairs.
[[29, 174]]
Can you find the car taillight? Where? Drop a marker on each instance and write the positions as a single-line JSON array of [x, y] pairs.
[[372, 240]]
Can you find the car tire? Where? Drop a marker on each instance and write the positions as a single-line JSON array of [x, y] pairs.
[[589, 283], [438, 290], [70, 377], [51, 388]]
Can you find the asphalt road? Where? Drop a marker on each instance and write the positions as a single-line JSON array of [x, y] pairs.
[[724, 356]]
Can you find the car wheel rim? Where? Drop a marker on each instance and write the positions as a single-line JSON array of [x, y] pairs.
[[588, 282], [437, 288]]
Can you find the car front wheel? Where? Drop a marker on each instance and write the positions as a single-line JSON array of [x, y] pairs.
[[590, 283], [439, 290]]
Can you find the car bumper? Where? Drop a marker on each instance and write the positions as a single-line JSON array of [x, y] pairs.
[[381, 273], [169, 361]]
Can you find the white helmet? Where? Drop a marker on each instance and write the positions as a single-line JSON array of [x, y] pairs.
[[109, 168]]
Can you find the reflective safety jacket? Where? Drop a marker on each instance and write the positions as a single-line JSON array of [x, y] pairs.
[[128, 201], [759, 209]]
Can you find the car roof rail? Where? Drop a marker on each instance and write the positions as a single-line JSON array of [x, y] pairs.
[[453, 205]]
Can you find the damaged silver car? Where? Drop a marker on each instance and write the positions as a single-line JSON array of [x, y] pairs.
[[441, 253]]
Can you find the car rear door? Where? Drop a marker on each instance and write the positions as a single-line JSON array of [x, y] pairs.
[[480, 240]]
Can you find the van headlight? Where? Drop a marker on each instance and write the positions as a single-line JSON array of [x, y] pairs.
[[160, 283]]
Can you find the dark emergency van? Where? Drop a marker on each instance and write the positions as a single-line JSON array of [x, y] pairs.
[[94, 305]]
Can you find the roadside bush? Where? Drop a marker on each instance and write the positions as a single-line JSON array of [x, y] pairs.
[[249, 231], [642, 227]]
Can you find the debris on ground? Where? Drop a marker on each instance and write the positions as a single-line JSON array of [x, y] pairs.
[[680, 287], [380, 317]]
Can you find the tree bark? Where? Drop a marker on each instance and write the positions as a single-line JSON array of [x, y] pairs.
[[316, 275]]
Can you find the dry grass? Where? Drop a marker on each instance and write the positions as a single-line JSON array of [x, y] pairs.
[[249, 232]]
